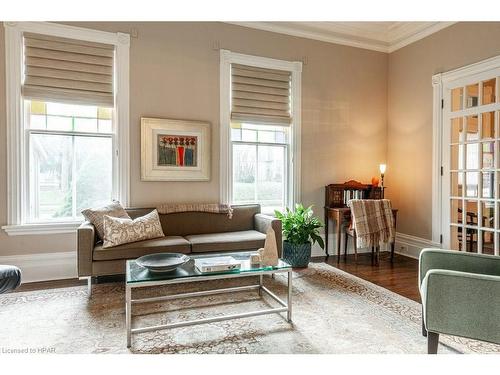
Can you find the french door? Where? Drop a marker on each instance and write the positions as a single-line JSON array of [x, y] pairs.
[[471, 163]]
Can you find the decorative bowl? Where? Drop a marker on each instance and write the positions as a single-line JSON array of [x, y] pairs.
[[162, 262]]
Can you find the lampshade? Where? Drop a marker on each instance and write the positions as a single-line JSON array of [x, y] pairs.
[[382, 168]]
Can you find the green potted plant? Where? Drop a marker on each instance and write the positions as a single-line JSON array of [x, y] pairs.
[[301, 231]]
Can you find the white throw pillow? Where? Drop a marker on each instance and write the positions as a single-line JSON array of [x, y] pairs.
[[118, 231], [96, 215]]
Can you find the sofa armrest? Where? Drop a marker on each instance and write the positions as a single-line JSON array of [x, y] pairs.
[[457, 261], [263, 222], [85, 248], [462, 304]]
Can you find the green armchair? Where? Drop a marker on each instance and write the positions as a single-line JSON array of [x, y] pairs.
[[460, 295]]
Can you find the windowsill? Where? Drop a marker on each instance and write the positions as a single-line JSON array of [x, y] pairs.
[[268, 212], [41, 228]]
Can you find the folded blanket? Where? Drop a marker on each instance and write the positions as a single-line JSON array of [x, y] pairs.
[[217, 208], [373, 221]]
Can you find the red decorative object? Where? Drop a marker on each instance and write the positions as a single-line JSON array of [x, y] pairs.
[[375, 181], [180, 150]]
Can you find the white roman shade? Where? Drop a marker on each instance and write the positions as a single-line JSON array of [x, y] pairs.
[[68, 70], [260, 95]]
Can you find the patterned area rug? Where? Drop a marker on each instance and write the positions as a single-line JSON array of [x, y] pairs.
[[333, 312]]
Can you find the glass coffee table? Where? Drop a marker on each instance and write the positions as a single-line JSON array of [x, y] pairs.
[[139, 277]]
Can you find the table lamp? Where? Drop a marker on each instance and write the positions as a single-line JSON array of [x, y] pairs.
[[382, 168]]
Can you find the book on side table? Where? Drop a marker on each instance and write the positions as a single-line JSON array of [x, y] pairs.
[[217, 264]]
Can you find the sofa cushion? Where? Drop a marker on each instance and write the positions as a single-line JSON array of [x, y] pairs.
[[118, 231], [169, 244], [187, 223], [96, 215], [227, 241]]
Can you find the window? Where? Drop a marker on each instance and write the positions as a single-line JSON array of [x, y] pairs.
[[260, 167], [70, 159], [260, 123], [67, 116]]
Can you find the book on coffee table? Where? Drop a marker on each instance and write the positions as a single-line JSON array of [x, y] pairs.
[[217, 264]]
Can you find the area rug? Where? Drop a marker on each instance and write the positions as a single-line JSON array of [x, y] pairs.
[[333, 312]]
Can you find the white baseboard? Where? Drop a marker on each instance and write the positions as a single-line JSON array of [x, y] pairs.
[[411, 246], [44, 267], [405, 244]]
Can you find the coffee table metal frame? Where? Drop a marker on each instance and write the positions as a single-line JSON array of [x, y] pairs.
[[285, 306]]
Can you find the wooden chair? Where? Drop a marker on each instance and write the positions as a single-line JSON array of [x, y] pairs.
[[349, 231]]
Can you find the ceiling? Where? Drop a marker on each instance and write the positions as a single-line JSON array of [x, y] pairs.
[[379, 36]]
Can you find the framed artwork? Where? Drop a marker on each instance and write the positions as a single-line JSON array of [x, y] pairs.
[[174, 150]]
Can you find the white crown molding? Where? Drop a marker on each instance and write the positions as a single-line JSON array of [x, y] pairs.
[[383, 38], [345, 40], [419, 35]]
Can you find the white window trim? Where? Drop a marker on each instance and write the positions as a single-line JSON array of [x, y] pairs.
[[440, 82], [295, 67], [16, 160]]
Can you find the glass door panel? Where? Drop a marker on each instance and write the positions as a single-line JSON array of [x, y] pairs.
[[489, 91], [471, 240], [488, 155], [457, 99], [472, 156], [471, 184], [471, 213], [488, 125], [457, 181], [488, 214], [456, 213], [456, 157], [456, 240], [472, 128], [488, 182], [472, 92], [488, 241], [457, 129]]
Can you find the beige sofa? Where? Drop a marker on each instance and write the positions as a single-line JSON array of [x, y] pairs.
[[185, 232]]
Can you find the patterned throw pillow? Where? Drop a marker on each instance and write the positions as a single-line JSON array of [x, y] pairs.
[[119, 231], [96, 215]]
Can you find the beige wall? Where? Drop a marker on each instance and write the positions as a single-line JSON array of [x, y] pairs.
[[409, 144], [174, 73]]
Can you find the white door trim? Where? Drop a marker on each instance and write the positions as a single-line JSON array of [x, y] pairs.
[[437, 120]]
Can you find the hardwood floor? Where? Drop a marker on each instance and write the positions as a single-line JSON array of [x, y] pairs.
[[400, 277]]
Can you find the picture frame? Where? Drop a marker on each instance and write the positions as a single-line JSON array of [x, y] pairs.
[[175, 150]]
